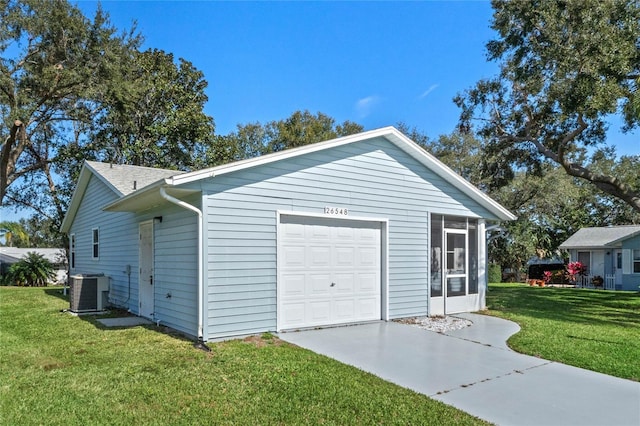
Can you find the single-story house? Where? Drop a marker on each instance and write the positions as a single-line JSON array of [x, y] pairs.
[[360, 228], [611, 252], [57, 257]]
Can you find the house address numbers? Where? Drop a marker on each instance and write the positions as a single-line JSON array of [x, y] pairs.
[[336, 211]]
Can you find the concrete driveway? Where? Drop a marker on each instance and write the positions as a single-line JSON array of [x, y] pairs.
[[473, 369]]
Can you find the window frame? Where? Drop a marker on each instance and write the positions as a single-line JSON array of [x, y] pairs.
[[95, 243], [72, 251], [635, 261]]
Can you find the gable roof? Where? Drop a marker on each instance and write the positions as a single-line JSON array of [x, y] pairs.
[[146, 192], [150, 194], [125, 179], [610, 236], [122, 179]]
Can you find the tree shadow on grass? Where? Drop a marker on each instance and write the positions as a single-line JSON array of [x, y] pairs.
[[595, 307], [58, 292], [92, 318]]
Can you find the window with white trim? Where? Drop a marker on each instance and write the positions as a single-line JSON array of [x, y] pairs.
[[636, 261], [72, 251], [95, 243]]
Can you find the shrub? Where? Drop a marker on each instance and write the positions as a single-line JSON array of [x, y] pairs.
[[495, 273], [33, 271]]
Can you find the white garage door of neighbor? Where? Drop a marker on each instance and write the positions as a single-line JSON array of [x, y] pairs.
[[328, 271]]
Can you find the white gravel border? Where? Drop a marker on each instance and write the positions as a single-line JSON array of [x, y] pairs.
[[439, 324]]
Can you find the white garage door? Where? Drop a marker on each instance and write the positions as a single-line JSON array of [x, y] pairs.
[[328, 271]]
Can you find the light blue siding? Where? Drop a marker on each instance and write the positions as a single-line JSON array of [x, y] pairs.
[[175, 255], [373, 179], [631, 281], [118, 244], [176, 268]]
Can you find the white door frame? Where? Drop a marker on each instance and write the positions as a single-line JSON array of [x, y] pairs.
[[455, 304], [146, 285], [384, 258]]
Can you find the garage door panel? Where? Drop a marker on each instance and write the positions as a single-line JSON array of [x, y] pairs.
[[294, 231], [319, 284], [345, 283], [293, 285], [368, 283], [319, 312], [319, 256], [344, 310], [368, 256], [293, 256], [345, 257], [344, 234], [345, 253], [293, 313], [369, 308], [318, 233], [368, 234]]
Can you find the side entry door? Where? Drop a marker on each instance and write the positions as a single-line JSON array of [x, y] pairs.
[[145, 280]]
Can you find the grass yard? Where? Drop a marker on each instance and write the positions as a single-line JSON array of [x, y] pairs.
[[593, 329], [59, 369]]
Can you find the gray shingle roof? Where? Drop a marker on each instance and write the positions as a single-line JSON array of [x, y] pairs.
[[13, 254], [600, 237], [127, 179]]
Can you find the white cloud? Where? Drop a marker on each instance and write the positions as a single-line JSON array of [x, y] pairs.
[[429, 90], [365, 105]]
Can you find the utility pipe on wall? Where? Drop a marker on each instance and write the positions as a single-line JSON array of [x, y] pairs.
[[188, 206]]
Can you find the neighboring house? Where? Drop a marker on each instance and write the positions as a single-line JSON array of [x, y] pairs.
[[361, 228], [57, 257], [611, 252]]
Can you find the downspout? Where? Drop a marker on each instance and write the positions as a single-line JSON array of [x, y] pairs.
[[200, 344]]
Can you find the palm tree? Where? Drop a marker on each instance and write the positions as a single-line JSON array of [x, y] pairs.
[[14, 233], [33, 270]]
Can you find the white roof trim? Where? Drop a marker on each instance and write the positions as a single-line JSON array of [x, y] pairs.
[[390, 133]]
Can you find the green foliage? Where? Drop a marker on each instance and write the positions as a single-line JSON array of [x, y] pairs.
[[154, 114], [565, 68], [254, 139], [592, 329], [55, 69], [43, 232], [14, 234], [494, 273], [143, 375], [33, 271], [550, 205]]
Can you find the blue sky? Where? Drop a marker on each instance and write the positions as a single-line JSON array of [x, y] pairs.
[[375, 63]]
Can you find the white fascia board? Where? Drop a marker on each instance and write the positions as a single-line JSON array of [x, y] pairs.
[[276, 156], [390, 133]]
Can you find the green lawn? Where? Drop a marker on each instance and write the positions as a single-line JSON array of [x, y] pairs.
[[593, 329], [59, 369]]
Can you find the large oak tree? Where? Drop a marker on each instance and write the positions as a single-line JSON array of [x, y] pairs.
[[55, 69], [566, 66], [73, 88]]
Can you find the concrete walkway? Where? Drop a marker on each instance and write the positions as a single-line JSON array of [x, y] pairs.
[[473, 369]]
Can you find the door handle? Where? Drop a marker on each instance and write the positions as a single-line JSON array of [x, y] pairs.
[[150, 279], [332, 285]]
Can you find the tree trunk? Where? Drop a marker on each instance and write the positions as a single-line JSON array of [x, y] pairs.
[[11, 150]]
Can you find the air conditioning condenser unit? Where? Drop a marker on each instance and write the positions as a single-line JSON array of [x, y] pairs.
[[88, 293]]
